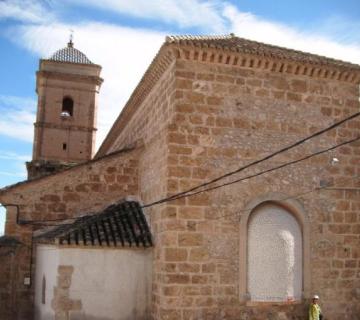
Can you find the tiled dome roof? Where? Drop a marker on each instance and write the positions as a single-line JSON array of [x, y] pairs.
[[70, 54]]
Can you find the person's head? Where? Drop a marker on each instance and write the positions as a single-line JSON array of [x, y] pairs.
[[315, 299]]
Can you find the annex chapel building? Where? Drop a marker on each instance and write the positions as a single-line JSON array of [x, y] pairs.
[[227, 188]]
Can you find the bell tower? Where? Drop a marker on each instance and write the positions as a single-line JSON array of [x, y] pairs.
[[67, 85]]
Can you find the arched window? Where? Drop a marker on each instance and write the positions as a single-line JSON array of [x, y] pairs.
[[67, 107], [274, 256], [274, 253]]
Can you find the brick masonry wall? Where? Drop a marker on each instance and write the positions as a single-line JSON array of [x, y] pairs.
[[10, 287], [83, 189], [199, 121], [149, 124], [96, 185], [225, 117]]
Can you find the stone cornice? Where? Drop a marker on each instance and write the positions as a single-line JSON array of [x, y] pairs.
[[258, 49], [67, 86], [231, 51], [86, 65], [63, 126], [69, 77], [281, 60]]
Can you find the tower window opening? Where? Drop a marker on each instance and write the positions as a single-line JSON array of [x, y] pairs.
[[67, 107], [64, 146]]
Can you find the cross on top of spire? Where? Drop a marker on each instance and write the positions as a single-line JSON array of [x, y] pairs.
[[71, 37]]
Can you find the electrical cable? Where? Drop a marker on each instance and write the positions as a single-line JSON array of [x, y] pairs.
[[296, 196], [334, 125], [40, 222], [182, 195], [187, 193]]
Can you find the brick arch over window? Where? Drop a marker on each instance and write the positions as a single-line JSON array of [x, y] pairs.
[[294, 208]]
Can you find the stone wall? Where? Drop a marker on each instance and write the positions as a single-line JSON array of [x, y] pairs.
[[13, 291], [203, 119], [148, 122], [225, 117], [94, 185], [83, 189]]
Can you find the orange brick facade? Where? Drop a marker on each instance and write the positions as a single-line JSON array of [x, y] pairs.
[[207, 112]]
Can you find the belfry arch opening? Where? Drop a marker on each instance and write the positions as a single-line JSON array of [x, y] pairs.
[[67, 107]]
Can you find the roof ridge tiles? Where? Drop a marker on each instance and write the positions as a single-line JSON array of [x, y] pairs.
[[176, 38], [184, 47], [242, 45]]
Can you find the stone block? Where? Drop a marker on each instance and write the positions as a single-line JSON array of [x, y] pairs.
[[175, 254], [199, 279], [190, 239], [50, 198], [299, 86], [293, 97], [177, 279], [199, 255], [189, 267]]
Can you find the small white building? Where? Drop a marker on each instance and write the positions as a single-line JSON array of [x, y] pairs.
[[97, 267]]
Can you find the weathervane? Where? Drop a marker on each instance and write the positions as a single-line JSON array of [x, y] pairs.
[[70, 43]]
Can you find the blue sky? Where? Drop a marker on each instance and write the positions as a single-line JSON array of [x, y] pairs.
[[123, 36]]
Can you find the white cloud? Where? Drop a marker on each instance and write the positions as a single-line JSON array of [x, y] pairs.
[[184, 13], [124, 54], [249, 26], [24, 10], [9, 155], [339, 28], [17, 117]]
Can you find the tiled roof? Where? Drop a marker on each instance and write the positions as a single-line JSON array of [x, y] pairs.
[[70, 54], [230, 49], [242, 45], [121, 224]]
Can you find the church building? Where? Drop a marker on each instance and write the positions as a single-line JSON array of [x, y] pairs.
[[227, 188]]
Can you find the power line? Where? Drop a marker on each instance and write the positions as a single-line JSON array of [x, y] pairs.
[[187, 193], [184, 195], [295, 196], [298, 195], [336, 124], [168, 199]]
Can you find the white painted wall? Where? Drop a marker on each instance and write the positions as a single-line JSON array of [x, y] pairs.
[[274, 255], [111, 283], [47, 261]]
